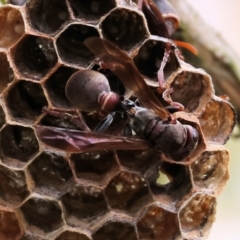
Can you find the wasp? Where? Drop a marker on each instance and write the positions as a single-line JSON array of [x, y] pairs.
[[153, 125]]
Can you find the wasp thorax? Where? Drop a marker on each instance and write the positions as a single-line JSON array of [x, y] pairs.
[[84, 88], [140, 119]]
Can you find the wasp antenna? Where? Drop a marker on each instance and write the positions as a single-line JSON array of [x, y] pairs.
[[187, 46]]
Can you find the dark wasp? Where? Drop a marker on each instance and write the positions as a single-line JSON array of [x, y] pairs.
[[153, 124]]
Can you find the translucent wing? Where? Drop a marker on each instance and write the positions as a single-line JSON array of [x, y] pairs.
[[123, 67], [82, 141]]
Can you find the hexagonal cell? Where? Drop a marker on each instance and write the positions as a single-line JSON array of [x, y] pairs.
[[50, 172], [42, 214], [6, 72], [191, 87], [92, 10], [178, 185], [210, 171], [13, 185], [9, 226], [149, 58], [120, 231], [83, 203], [30, 101], [56, 84], [47, 18], [34, 56], [157, 223], [13, 29], [2, 117], [196, 216], [127, 192], [70, 235], [137, 160], [70, 44], [93, 166], [215, 125], [18, 145], [124, 27]]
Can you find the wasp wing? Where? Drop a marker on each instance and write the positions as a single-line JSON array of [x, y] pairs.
[[82, 141], [124, 68]]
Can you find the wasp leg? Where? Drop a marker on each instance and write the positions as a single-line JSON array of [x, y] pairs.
[[174, 106], [104, 124]]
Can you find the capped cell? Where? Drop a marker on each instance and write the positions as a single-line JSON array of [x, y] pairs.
[[120, 230], [40, 15], [34, 56], [6, 73], [92, 10], [197, 216], [149, 58], [18, 145], [50, 169], [70, 44], [158, 223], [9, 225], [12, 20], [30, 101], [13, 185], [56, 84], [124, 27], [83, 203], [127, 192], [42, 214], [93, 166]]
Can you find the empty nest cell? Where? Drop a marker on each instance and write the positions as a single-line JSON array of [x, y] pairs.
[[25, 101], [18, 145], [124, 27], [13, 185], [50, 172], [149, 58], [83, 203], [12, 26], [34, 56], [197, 216], [70, 44], [56, 84], [91, 10], [40, 15], [127, 192], [95, 166], [43, 214], [71, 235], [217, 127], [157, 223]]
